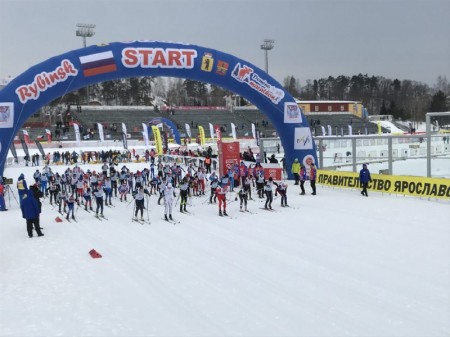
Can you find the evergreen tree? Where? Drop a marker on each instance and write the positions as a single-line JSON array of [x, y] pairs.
[[383, 110], [291, 85], [438, 102]]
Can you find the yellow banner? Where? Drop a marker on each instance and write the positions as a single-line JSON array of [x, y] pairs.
[[405, 185], [158, 141], [201, 131]]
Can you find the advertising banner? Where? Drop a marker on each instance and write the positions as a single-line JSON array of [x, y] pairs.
[[26, 136], [49, 135], [76, 128], [124, 141], [100, 132], [25, 148], [218, 132], [158, 140], [188, 130], [124, 136], [202, 135], [145, 133], [211, 131], [405, 185], [233, 131], [14, 153], [39, 146], [228, 156]]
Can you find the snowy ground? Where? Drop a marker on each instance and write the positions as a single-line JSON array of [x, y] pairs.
[[335, 264]]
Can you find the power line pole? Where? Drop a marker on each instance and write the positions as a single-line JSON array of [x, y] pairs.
[[266, 46], [85, 30]]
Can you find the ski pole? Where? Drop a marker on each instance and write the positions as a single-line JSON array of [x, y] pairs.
[[148, 217], [130, 202], [134, 209]]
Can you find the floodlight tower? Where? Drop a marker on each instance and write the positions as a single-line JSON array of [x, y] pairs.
[[266, 46], [85, 30]]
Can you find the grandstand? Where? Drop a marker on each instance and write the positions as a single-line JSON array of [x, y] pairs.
[[339, 124], [133, 117]]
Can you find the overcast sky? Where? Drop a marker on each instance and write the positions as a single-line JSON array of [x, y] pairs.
[[404, 39]]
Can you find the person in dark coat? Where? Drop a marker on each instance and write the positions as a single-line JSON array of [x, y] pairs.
[[364, 179], [30, 212], [37, 193]]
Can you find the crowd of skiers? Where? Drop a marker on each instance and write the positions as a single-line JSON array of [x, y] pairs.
[[76, 186]]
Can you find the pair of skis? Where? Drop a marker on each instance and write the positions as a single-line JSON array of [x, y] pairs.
[[269, 209], [141, 221], [100, 217], [172, 221], [247, 211]]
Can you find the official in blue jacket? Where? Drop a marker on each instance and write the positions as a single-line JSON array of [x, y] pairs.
[[30, 212], [364, 179]]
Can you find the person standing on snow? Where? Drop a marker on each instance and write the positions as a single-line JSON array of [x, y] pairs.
[[184, 192], [295, 169], [282, 191], [99, 195], [302, 177], [87, 199], [260, 184], [214, 182], [71, 207], [243, 197], [30, 212], [221, 193], [312, 178], [123, 191], [169, 196], [268, 190], [2, 197], [139, 196], [364, 179]]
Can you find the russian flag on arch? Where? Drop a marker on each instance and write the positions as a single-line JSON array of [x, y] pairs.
[[96, 64]]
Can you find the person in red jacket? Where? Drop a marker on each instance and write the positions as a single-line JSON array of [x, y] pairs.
[[221, 193]]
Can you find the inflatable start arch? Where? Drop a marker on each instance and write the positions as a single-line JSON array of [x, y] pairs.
[[79, 68]]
